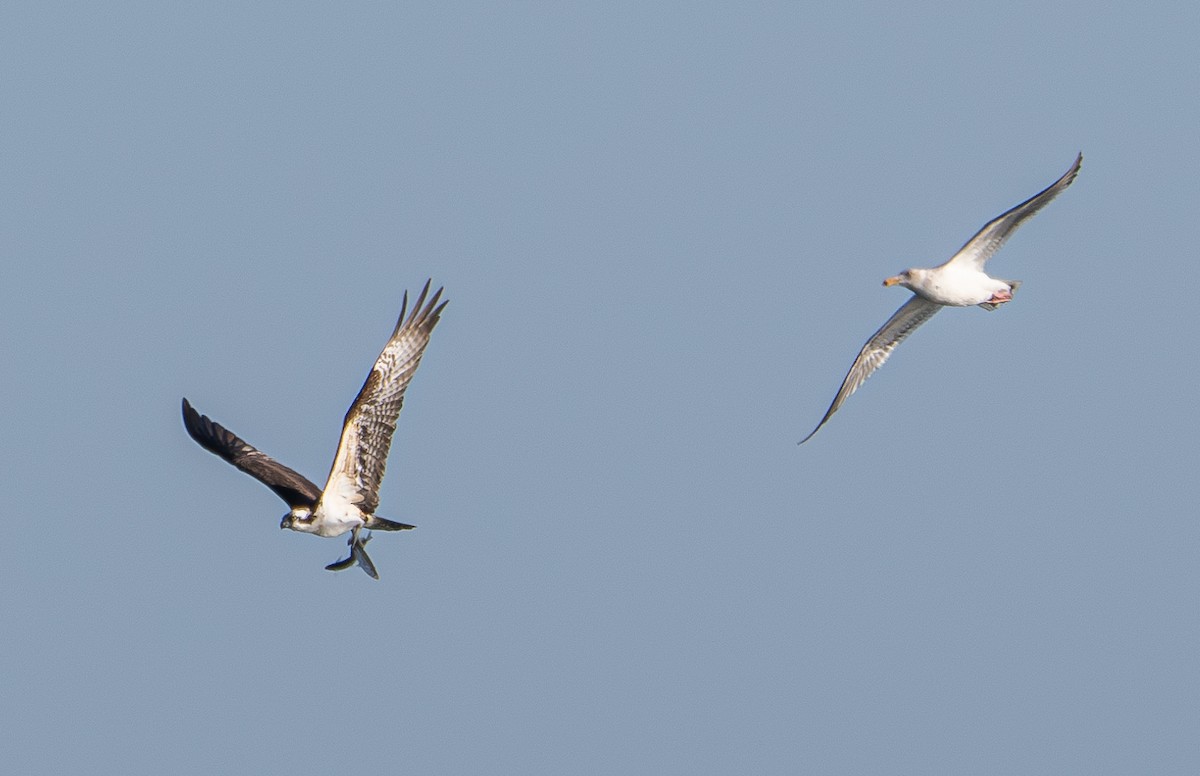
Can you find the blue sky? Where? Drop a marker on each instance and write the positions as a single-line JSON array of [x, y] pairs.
[[662, 230]]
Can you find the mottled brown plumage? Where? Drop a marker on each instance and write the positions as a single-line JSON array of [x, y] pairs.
[[351, 494]]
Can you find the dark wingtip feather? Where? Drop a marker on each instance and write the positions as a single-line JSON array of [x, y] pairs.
[[209, 434], [420, 302], [1069, 178], [200, 428], [433, 310], [813, 433], [426, 313], [403, 311]]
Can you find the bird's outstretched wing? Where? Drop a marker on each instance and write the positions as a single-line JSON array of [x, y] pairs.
[[370, 423], [903, 322], [988, 240], [294, 488]]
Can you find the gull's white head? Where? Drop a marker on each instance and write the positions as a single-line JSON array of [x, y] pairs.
[[908, 278]]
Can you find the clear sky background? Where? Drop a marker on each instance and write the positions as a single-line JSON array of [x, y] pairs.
[[662, 229]]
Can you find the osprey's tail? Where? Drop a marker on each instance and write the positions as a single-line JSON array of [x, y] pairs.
[[381, 524]]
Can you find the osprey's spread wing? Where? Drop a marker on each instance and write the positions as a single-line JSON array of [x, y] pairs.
[[903, 322], [989, 239], [367, 432], [294, 488]]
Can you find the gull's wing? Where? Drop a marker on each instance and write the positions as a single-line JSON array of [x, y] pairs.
[[903, 322], [989, 239], [294, 488], [371, 421]]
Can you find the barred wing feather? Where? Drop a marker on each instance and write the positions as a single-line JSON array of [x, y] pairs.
[[988, 240], [361, 458], [903, 322]]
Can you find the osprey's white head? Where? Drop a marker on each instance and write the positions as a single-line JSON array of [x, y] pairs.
[[299, 519]]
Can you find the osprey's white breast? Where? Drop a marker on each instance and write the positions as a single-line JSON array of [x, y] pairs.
[[335, 517]]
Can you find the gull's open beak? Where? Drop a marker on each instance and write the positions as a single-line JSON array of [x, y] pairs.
[[894, 280]]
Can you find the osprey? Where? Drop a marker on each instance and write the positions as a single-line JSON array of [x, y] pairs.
[[351, 494]]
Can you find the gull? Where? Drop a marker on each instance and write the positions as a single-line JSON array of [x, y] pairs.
[[351, 494], [960, 282]]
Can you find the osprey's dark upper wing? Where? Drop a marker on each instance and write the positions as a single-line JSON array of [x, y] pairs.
[[370, 423], [294, 488]]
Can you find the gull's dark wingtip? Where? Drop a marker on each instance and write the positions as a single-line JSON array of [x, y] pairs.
[[829, 414], [1062, 183]]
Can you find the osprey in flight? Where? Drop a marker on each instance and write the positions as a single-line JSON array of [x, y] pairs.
[[351, 493]]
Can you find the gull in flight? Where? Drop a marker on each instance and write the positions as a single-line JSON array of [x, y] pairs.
[[351, 494], [960, 282]]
